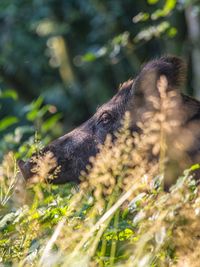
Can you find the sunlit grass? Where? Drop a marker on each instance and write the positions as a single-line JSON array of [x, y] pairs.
[[119, 215]]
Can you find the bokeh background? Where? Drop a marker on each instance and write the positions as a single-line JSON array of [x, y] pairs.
[[60, 59]]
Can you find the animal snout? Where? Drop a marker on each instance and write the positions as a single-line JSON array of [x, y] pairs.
[[25, 169]]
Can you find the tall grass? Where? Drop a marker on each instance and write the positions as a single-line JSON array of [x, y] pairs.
[[119, 215]]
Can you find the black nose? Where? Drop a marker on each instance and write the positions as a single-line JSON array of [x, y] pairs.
[[24, 168]]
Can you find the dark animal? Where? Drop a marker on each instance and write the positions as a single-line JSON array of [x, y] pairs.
[[73, 150]]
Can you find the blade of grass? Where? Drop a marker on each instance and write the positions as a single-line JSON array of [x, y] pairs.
[[51, 242], [104, 218]]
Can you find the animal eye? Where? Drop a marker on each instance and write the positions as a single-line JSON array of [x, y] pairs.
[[105, 118]]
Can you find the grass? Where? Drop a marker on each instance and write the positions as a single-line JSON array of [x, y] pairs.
[[119, 215]]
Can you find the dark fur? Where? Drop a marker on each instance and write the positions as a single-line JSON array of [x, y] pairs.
[[72, 151]]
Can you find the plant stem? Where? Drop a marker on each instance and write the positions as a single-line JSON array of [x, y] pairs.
[[114, 242]]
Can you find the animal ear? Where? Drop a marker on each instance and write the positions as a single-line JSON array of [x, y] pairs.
[[174, 70]]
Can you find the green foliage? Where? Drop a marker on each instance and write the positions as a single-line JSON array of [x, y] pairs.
[[27, 230], [168, 7], [8, 121], [17, 132]]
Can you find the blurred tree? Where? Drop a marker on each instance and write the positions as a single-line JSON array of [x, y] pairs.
[[192, 13]]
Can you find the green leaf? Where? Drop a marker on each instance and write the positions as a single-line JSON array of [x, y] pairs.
[[195, 167], [9, 94], [89, 57], [31, 116], [152, 2], [35, 110], [168, 7], [49, 123], [172, 32], [7, 121], [37, 104]]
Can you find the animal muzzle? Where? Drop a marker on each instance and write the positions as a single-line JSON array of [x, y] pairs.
[[25, 169]]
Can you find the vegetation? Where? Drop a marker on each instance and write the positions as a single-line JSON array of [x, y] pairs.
[[59, 60], [120, 214]]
